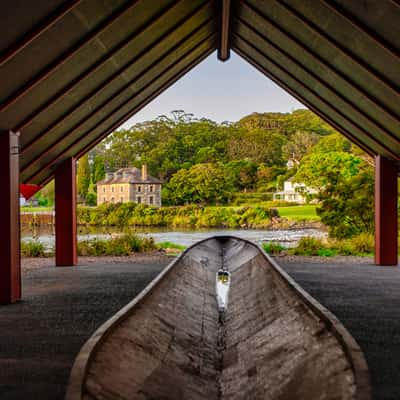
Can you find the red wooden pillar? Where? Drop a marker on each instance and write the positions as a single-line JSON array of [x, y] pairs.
[[385, 211], [10, 259], [65, 205]]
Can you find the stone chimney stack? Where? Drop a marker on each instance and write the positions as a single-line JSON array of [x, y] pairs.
[[144, 172]]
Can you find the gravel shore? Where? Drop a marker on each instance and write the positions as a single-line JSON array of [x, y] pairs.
[[30, 263]]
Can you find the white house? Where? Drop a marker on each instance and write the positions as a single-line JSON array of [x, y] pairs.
[[294, 192]]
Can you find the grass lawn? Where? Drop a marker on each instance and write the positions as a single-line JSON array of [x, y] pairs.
[[299, 213], [36, 209]]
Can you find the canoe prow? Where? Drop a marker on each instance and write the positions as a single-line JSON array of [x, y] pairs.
[[272, 341]]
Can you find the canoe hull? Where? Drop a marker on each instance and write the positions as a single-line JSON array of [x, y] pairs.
[[273, 342]]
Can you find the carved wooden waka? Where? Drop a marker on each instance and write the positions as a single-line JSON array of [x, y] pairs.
[[272, 341]]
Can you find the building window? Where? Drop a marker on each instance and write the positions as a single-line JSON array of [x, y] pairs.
[[122, 188], [104, 189], [139, 188], [112, 199], [138, 199], [151, 188], [112, 189], [104, 199], [122, 199], [151, 201]]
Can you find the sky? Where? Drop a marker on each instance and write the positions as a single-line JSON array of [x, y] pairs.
[[220, 91]]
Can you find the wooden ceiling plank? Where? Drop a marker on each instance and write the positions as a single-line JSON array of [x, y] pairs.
[[38, 30], [361, 26], [340, 48], [52, 67], [96, 66], [313, 55]]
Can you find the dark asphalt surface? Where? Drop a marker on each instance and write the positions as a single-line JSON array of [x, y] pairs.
[[40, 336]]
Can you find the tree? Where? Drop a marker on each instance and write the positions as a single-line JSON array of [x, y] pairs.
[[202, 183], [83, 176], [257, 145], [299, 145], [347, 207], [346, 187], [99, 171]]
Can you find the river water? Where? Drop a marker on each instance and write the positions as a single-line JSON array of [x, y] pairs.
[[186, 237]]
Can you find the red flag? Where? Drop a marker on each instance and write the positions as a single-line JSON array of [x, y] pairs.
[[28, 190]]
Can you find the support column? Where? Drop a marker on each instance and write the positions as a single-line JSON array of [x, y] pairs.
[[10, 259], [65, 206], [385, 211]]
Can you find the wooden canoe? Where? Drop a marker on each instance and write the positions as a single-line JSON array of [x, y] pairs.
[[272, 341]]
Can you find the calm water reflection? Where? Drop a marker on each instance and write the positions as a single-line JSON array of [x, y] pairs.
[[184, 237]]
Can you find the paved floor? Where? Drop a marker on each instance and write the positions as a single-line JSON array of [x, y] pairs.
[[366, 298], [40, 336]]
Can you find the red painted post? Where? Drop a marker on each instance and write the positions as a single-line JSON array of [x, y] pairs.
[[10, 259], [65, 199], [385, 211]]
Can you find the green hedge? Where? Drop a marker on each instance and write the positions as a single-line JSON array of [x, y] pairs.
[[132, 214]]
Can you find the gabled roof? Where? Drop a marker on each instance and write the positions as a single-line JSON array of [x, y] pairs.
[[73, 71], [128, 175]]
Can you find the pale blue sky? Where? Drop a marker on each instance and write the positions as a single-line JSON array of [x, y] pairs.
[[221, 92]]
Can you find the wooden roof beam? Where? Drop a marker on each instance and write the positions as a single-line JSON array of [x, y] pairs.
[[42, 27], [224, 21]]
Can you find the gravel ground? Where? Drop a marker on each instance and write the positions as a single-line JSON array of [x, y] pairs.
[[41, 335]]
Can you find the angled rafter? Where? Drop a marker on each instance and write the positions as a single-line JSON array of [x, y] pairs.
[[342, 49], [39, 29], [109, 81], [51, 68], [312, 55], [342, 12], [95, 67]]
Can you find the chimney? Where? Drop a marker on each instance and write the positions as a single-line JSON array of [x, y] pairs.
[[109, 175], [144, 172]]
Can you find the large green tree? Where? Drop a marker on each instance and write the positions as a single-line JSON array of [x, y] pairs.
[[202, 183], [346, 186]]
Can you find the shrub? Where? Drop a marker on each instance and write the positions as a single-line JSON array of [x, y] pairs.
[[32, 249], [273, 248], [363, 243], [119, 246], [308, 246]]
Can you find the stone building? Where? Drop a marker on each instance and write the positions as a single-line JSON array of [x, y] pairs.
[[129, 184]]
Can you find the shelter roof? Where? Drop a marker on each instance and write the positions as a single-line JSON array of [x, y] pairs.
[[73, 71]]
